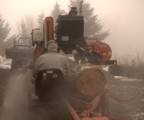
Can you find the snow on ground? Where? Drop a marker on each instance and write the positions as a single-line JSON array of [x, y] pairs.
[[127, 79], [5, 63]]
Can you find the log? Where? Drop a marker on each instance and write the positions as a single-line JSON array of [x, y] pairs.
[[86, 81]]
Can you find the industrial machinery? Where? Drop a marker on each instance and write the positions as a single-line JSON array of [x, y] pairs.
[[85, 91], [81, 98], [100, 51], [21, 53], [48, 83], [69, 34]]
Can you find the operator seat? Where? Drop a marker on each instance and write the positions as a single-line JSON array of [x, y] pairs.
[[49, 83]]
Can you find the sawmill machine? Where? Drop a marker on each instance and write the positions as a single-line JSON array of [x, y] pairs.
[[86, 88], [69, 34]]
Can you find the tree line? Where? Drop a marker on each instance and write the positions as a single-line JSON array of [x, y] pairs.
[[92, 25]]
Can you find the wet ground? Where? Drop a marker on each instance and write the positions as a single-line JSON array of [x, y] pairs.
[[127, 98], [125, 95]]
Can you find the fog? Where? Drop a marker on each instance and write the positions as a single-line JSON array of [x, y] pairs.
[[16, 97], [124, 19]]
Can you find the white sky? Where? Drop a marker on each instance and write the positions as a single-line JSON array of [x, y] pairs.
[[124, 19]]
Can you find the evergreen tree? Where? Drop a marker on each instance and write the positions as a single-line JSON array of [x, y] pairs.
[[23, 30], [92, 26], [25, 27], [4, 32], [57, 11], [41, 18]]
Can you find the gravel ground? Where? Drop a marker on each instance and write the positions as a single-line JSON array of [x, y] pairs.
[[129, 92], [128, 100]]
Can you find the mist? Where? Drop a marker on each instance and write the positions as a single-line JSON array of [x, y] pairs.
[[123, 18], [17, 95]]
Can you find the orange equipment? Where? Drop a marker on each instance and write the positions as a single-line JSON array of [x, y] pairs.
[[90, 84], [100, 48], [40, 38]]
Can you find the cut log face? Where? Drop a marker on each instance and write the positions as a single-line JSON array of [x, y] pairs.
[[91, 82]]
